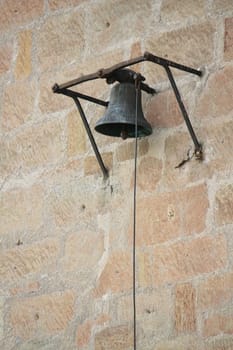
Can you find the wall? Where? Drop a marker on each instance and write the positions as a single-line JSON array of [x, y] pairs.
[[65, 234]]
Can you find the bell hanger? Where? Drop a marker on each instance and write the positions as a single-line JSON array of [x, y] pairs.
[[118, 119]]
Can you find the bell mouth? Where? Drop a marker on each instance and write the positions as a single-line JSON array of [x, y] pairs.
[[123, 130]]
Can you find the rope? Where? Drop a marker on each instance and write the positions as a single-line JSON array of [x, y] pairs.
[[137, 85]]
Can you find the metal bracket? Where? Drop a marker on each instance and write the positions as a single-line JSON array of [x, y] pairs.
[[118, 73]]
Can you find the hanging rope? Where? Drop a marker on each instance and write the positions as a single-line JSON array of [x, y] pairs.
[[137, 86]]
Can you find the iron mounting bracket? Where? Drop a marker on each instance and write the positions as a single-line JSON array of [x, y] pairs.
[[119, 73]]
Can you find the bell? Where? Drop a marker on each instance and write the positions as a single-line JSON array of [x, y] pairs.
[[119, 119]]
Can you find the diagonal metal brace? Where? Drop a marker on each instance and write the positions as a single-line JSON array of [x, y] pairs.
[[198, 147]]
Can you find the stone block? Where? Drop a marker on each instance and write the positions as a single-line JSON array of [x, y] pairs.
[[114, 338], [185, 308], [6, 52], [84, 331], [215, 292], [162, 111], [195, 43], [175, 11], [182, 260], [18, 104], [23, 65], [153, 312], [77, 136], [55, 48], [83, 250], [16, 13], [91, 165], [16, 263], [125, 151], [222, 343], [149, 173], [108, 16], [212, 103], [224, 205], [181, 343], [167, 216], [43, 315], [218, 324], [228, 43], [116, 276], [21, 209], [35, 146]]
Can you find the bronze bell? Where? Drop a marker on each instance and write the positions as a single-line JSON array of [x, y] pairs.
[[119, 119]]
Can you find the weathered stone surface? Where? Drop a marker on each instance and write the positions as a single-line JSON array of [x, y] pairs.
[[217, 156], [224, 205], [136, 51], [1, 317], [18, 110], [181, 343], [221, 7], [18, 262], [108, 16], [15, 13], [28, 288], [50, 51], [215, 292], [114, 338], [21, 209], [50, 102], [222, 343], [195, 43], [23, 66], [6, 52], [41, 344], [163, 111], [179, 10], [42, 315], [77, 202], [79, 252], [35, 146], [84, 330], [117, 274], [212, 103], [185, 310], [144, 262], [183, 260], [125, 151], [171, 215], [153, 312], [228, 43], [91, 165], [76, 135], [149, 173], [220, 323], [57, 4]]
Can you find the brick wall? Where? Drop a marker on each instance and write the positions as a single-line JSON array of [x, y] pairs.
[[65, 234]]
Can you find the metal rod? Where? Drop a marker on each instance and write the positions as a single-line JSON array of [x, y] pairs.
[[75, 94], [101, 73], [91, 137], [105, 73], [166, 63], [198, 148]]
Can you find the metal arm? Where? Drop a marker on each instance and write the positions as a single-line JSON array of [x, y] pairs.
[[198, 148]]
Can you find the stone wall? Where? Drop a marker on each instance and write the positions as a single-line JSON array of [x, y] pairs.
[[65, 233]]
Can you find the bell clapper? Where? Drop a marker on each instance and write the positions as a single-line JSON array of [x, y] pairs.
[[124, 133]]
